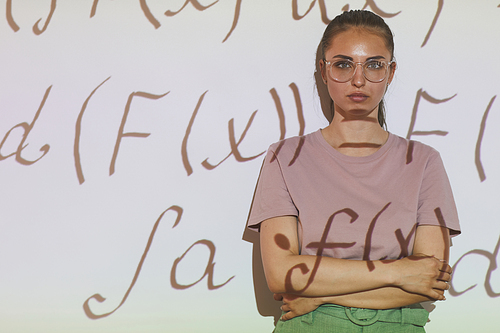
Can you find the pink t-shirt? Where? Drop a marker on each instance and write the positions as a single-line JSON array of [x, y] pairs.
[[364, 208]]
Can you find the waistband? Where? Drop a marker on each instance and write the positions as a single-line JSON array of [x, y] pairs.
[[412, 314]]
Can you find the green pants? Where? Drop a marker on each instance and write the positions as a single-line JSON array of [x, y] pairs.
[[340, 319]]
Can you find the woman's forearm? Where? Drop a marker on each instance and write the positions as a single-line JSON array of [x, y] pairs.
[[351, 280], [382, 298], [320, 276], [287, 272]]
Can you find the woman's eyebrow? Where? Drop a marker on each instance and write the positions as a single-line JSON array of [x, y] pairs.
[[350, 58], [376, 57], [343, 57]]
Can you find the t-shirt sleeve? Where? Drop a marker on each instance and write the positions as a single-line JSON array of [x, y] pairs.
[[436, 205], [271, 198]]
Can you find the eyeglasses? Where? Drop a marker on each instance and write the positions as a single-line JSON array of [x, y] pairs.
[[343, 70]]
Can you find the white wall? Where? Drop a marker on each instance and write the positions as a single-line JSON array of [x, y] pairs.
[[80, 195]]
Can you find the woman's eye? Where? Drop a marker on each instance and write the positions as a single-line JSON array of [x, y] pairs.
[[375, 65], [342, 64]]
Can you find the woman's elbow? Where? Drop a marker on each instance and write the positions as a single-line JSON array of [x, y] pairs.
[[275, 284]]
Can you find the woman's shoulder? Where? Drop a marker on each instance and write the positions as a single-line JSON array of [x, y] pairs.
[[290, 149], [290, 144]]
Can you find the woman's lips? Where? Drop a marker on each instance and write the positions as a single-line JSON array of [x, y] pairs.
[[358, 97]]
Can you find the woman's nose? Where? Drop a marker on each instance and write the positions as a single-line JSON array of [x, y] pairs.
[[358, 79]]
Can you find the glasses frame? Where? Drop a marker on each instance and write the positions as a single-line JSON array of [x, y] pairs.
[[329, 63]]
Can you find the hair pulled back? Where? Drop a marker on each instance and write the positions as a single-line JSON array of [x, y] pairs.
[[361, 19]]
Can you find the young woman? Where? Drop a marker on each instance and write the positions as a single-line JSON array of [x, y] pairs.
[[354, 221]]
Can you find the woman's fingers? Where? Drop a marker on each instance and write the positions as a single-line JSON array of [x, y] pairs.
[[425, 275], [445, 267], [439, 295], [441, 285], [445, 277], [443, 280], [445, 273]]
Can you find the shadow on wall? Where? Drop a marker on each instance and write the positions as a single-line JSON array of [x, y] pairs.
[[266, 305]]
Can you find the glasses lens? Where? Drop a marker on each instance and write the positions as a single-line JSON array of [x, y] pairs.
[[375, 70], [342, 70]]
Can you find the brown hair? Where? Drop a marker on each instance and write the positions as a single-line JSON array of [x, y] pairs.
[[359, 19]]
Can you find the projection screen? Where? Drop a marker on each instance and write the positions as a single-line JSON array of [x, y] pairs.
[[133, 132]]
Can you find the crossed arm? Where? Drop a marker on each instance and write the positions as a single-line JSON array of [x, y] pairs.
[[305, 282]]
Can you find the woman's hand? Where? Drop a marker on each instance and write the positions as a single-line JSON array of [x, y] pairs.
[[424, 275], [295, 306]]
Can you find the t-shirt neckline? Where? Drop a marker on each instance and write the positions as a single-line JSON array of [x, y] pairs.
[[355, 159]]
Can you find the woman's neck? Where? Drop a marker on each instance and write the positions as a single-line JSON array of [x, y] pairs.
[[355, 137]]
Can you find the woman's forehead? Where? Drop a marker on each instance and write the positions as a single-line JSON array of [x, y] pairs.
[[357, 42]]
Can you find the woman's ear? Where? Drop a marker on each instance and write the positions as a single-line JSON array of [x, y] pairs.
[[392, 70], [322, 69]]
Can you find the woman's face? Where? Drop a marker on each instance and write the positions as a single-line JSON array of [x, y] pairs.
[[357, 98]]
